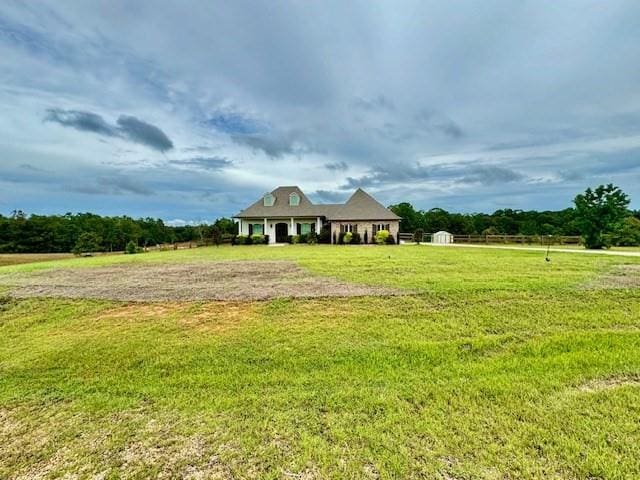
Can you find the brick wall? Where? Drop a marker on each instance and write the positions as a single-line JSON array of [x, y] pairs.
[[394, 226]]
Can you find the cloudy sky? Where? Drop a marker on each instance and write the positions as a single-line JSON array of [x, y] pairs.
[[191, 110]]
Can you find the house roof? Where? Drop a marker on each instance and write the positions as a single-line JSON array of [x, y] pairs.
[[361, 206]]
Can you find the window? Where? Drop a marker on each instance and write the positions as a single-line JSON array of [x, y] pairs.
[[257, 229], [305, 228], [268, 200], [294, 199], [376, 227], [348, 227]]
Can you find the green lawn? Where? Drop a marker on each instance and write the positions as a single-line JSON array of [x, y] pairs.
[[497, 365]]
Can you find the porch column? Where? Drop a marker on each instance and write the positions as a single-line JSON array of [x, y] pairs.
[[239, 226], [264, 229], [318, 225], [292, 232]]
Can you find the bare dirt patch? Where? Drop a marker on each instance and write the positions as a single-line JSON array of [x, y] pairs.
[[239, 280], [603, 384], [624, 276]]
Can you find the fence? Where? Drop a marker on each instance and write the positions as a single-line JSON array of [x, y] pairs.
[[493, 239]]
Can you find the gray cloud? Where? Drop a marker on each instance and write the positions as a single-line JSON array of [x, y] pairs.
[[433, 121], [490, 175], [113, 184], [273, 146], [128, 127], [336, 166], [205, 163], [144, 133], [80, 120]]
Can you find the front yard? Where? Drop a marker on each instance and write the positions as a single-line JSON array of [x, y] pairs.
[[479, 364]]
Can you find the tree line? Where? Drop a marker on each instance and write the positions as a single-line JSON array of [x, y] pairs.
[[601, 216], [22, 233]]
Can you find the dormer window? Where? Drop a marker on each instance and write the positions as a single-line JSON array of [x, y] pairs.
[[268, 200], [294, 199]]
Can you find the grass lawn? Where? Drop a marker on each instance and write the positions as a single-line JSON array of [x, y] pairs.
[[496, 364], [18, 258]]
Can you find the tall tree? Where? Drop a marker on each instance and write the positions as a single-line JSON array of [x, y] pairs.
[[598, 212]]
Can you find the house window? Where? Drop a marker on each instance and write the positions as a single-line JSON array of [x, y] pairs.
[[305, 228], [348, 227], [257, 229], [376, 227], [294, 199], [268, 200]]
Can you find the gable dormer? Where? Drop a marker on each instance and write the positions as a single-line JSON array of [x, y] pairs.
[[294, 199], [268, 200]]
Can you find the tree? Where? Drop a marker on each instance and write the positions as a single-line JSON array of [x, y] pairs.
[[598, 212], [87, 242], [410, 218], [418, 235], [216, 235], [626, 233]]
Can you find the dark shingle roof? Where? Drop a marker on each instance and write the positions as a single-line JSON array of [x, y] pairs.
[[361, 206]]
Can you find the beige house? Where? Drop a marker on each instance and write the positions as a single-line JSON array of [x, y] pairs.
[[287, 211]]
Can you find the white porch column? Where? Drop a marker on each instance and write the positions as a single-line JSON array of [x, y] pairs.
[[292, 232], [264, 229], [239, 226], [318, 225]]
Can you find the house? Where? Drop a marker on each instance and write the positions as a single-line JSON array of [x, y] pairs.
[[287, 211]]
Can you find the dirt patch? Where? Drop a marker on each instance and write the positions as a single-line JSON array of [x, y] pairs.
[[231, 281], [625, 276], [604, 384]]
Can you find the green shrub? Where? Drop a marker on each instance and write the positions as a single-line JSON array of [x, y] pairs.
[[295, 239], [366, 237], [625, 233], [88, 242], [355, 239], [241, 240], [325, 235], [131, 248], [335, 238], [347, 237], [418, 235], [341, 238], [390, 240], [303, 238], [312, 238], [257, 239], [381, 237]]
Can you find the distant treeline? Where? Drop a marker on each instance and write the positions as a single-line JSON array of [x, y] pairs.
[[500, 222], [21, 233]]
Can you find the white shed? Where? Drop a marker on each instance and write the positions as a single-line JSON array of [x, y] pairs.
[[442, 237]]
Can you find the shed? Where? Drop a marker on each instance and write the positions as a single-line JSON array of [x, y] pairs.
[[442, 237]]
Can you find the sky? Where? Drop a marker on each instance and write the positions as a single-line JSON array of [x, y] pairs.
[[188, 111]]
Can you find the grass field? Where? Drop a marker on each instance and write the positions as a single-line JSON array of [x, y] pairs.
[[18, 258], [495, 364]]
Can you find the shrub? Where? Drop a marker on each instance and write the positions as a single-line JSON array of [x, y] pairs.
[[335, 238], [87, 242], [241, 240], [325, 235], [302, 238], [227, 238], [390, 240], [248, 240], [381, 237], [257, 239], [266, 239], [366, 237], [347, 237], [625, 234], [341, 238], [216, 235], [312, 238], [295, 239], [355, 239], [131, 248], [418, 235]]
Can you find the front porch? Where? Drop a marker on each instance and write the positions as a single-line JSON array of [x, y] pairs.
[[278, 229]]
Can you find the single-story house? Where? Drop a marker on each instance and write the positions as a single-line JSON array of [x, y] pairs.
[[287, 211]]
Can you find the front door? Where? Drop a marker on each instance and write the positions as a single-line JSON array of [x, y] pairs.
[[282, 232]]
